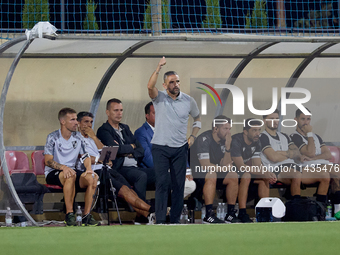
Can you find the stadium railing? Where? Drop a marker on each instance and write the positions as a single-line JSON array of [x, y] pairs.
[[156, 17]]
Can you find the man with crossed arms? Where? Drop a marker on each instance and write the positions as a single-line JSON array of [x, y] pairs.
[[279, 150]]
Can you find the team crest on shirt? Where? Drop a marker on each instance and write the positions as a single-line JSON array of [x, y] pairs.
[[223, 148], [253, 150], [204, 138], [74, 143], [59, 147]]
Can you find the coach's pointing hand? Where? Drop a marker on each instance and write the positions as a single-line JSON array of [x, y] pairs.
[[162, 62]]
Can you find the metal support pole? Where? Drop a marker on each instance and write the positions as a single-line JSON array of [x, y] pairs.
[[2, 146], [156, 17], [281, 14], [62, 14]]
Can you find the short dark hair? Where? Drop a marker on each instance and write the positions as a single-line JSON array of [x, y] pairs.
[[147, 107], [254, 123], [81, 115], [220, 117], [112, 100], [276, 111], [62, 113], [168, 74], [298, 112]]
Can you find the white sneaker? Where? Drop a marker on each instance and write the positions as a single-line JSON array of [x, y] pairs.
[[152, 219]]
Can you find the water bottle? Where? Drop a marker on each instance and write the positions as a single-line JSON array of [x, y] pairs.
[[203, 212], [192, 216], [23, 224], [224, 210], [79, 216], [184, 216], [8, 217], [329, 210], [219, 211]]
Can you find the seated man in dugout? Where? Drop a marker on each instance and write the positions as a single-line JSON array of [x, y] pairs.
[[317, 165], [212, 149], [245, 153], [94, 146], [278, 154], [61, 152], [130, 152]]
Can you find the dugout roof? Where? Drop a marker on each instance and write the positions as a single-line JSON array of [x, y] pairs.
[[242, 52]]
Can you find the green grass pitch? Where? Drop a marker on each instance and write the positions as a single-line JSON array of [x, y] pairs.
[[260, 238]]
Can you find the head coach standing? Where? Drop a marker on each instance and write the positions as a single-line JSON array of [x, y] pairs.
[[169, 143]]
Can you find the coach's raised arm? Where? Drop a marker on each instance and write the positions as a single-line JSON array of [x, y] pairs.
[[153, 91], [169, 142]]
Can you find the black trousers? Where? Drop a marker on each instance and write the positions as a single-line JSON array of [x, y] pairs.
[[117, 179], [175, 159], [139, 178]]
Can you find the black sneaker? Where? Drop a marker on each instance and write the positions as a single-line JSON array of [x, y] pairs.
[[90, 221], [231, 217], [139, 220], [70, 219], [212, 219], [245, 218]]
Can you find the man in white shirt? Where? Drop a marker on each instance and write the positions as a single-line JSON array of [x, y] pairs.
[[61, 152], [279, 152]]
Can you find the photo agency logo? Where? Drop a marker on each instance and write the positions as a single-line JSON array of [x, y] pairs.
[[204, 97], [239, 102]]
